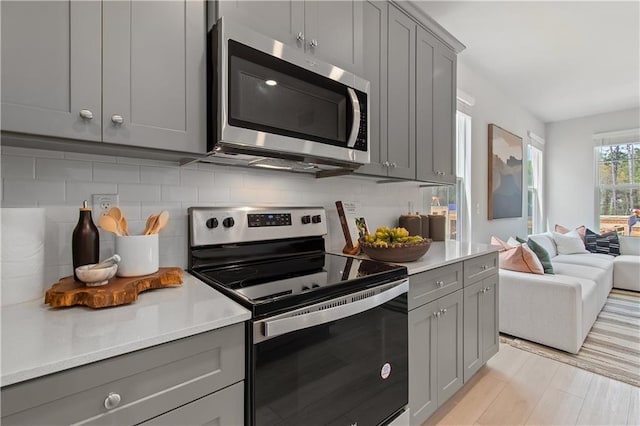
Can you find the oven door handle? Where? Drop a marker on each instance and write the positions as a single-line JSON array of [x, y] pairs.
[[355, 127], [277, 327]]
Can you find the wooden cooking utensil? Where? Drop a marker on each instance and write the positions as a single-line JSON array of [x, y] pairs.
[[124, 225], [161, 222], [108, 223], [118, 215], [150, 224]]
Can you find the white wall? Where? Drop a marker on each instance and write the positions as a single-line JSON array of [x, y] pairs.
[[571, 199], [492, 106], [59, 181]]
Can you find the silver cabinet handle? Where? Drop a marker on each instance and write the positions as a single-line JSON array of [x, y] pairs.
[[487, 289], [313, 43], [444, 311], [117, 119], [300, 36], [394, 165], [440, 283], [386, 163], [86, 114], [484, 290], [436, 314], [112, 401]]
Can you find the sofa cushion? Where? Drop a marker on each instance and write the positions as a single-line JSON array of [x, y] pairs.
[[569, 243], [602, 243], [629, 245], [602, 261], [546, 241], [518, 258], [602, 277], [626, 272], [543, 256]]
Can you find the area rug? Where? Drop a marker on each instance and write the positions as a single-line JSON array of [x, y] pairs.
[[612, 347]]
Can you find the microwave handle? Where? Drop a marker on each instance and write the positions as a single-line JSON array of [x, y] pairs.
[[355, 127], [277, 327]]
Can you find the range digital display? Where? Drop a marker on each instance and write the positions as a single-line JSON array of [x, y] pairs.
[[268, 219]]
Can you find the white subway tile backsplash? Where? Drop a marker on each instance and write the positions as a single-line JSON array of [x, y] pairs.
[[57, 169], [27, 191], [89, 157], [60, 181], [115, 173], [15, 166], [79, 191], [160, 175], [195, 177], [179, 193], [139, 192]]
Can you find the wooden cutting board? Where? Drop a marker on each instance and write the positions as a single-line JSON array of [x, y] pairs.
[[118, 291]]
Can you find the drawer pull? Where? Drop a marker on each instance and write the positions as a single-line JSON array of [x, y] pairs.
[[437, 314], [440, 284], [112, 401], [444, 311]]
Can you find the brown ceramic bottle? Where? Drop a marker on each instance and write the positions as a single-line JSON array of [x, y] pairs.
[[85, 242]]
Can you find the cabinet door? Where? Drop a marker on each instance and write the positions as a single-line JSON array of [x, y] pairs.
[[422, 362], [449, 345], [375, 70], [225, 407], [489, 318], [280, 20], [473, 329], [333, 32], [425, 55], [444, 114], [154, 83], [51, 59], [401, 150]]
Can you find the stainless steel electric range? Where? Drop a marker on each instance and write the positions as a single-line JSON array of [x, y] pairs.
[[327, 342]]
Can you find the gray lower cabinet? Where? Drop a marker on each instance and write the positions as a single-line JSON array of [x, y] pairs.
[[481, 339], [125, 72], [197, 379], [435, 354], [453, 330], [328, 30]]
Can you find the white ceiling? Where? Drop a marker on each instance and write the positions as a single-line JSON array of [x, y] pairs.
[[559, 60]]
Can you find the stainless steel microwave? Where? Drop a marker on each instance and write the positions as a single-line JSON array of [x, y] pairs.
[[273, 106]]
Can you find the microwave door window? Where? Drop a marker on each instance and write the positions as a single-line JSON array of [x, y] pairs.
[[266, 99]]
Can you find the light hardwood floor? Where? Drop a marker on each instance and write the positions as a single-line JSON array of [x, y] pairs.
[[520, 388]]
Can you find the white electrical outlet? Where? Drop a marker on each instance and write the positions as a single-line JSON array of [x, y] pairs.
[[103, 202]]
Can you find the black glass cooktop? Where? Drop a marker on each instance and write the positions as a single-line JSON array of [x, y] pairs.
[[273, 285]]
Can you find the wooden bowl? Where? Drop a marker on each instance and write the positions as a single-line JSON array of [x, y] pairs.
[[405, 253]]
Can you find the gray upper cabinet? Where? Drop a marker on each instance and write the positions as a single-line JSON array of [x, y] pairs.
[[51, 68], [328, 30], [401, 149], [375, 71], [435, 110], [125, 72], [154, 74]]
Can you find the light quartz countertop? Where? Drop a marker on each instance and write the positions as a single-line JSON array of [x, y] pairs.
[[443, 253], [38, 340]]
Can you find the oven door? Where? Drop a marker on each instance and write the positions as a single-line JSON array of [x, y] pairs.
[[273, 98], [341, 362]]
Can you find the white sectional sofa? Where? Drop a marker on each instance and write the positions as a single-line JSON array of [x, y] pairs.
[[558, 310]]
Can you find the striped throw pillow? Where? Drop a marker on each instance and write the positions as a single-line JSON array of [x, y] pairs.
[[607, 243]]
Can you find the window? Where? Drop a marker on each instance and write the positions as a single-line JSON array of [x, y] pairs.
[[452, 200], [535, 222], [618, 182]]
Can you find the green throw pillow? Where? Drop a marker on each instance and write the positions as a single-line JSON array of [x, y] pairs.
[[520, 240], [543, 255]]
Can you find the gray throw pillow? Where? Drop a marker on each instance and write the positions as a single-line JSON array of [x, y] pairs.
[[542, 254]]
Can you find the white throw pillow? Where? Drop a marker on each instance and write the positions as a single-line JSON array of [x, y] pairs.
[[513, 242], [569, 243]]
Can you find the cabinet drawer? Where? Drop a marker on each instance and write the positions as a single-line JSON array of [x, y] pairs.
[[428, 286], [149, 382], [225, 407], [480, 267]]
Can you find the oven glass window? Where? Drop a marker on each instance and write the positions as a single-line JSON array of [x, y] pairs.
[[354, 370], [271, 95]]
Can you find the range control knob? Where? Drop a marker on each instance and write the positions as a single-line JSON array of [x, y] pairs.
[[306, 219], [316, 219], [228, 222], [212, 223]]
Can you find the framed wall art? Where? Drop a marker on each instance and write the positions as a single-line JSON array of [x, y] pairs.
[[505, 174]]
